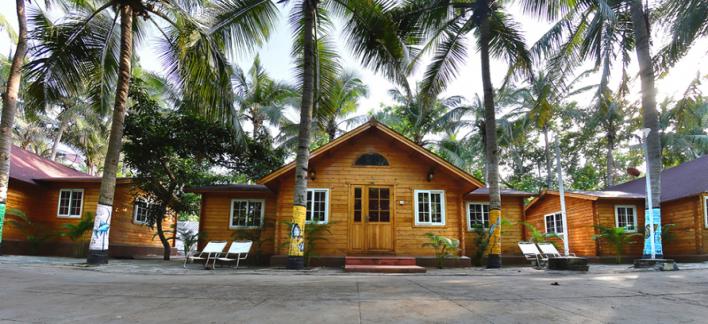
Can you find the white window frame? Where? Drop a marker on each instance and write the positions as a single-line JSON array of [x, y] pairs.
[[326, 211], [231, 213], [558, 214], [135, 210], [469, 221], [442, 208], [634, 210], [81, 206], [705, 210]]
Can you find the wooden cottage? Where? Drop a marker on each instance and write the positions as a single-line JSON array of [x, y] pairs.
[[53, 195], [378, 192], [684, 203]]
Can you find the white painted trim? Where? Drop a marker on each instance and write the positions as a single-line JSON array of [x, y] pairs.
[[231, 213], [634, 210], [326, 191], [705, 210], [135, 211], [81, 206], [442, 207], [545, 221], [467, 217]]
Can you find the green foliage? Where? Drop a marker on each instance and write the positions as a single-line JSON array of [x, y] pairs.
[[34, 233], [189, 238], [538, 236], [617, 237], [480, 243], [76, 233], [314, 233], [443, 246]]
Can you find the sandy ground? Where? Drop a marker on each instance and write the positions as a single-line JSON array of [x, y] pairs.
[[60, 290]]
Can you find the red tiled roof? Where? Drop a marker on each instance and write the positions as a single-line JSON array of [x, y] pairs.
[[685, 180], [26, 166]]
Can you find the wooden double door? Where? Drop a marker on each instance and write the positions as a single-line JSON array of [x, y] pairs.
[[371, 219]]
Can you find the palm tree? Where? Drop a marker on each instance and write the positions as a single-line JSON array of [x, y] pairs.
[[371, 35], [9, 105], [338, 101], [686, 21], [449, 23], [684, 125], [97, 41], [260, 98]]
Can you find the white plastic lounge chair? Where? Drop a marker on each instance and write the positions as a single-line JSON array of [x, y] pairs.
[[210, 252], [549, 250], [531, 253], [239, 250]]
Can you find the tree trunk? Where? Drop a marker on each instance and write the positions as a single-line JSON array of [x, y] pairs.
[[649, 116], [98, 251], [609, 177], [9, 104], [60, 133], [297, 233], [167, 249], [650, 120], [332, 129], [494, 258], [547, 154]]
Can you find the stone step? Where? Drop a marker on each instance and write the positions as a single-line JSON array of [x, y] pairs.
[[384, 268], [380, 260]]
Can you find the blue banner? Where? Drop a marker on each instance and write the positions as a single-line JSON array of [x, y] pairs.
[[652, 216]]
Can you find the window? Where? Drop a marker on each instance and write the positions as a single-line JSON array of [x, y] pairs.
[[705, 210], [429, 207], [477, 215], [379, 205], [554, 223], [71, 202], [317, 206], [626, 216], [371, 159], [140, 211], [246, 213]]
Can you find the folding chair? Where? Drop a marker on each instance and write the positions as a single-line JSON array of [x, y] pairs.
[[549, 250], [212, 251], [239, 249], [531, 253]]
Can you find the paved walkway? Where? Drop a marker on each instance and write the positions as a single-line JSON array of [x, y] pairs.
[[51, 290]]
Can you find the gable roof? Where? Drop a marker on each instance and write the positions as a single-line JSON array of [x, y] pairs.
[[684, 180], [374, 124], [27, 167], [484, 191], [587, 195]]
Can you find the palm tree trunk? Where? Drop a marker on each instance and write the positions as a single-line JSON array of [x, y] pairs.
[[494, 258], [297, 233], [649, 115], [60, 133], [9, 104], [98, 249], [609, 177], [547, 154]]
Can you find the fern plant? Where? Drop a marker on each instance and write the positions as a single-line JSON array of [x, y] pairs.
[[34, 234], [76, 233], [617, 237], [480, 243], [314, 233], [443, 246], [536, 236]]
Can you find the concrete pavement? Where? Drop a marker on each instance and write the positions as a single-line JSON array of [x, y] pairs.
[[60, 293]]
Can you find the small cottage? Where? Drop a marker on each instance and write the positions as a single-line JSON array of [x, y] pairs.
[[378, 194], [52, 195]]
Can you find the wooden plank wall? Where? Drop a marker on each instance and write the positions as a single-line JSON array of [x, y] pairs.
[[215, 217], [605, 209], [512, 210], [701, 223], [684, 213], [21, 196], [580, 214], [406, 172]]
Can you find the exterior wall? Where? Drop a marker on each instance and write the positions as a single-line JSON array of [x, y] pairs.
[[701, 222], [406, 172], [605, 210], [215, 218], [686, 215], [581, 219], [512, 233], [40, 203]]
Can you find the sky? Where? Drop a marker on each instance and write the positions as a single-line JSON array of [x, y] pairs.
[[276, 58]]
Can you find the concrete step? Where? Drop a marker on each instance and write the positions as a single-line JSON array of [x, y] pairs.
[[380, 260], [384, 268]]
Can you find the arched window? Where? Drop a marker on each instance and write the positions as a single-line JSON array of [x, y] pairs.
[[374, 159]]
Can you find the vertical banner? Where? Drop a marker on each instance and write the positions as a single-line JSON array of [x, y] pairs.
[[297, 232], [652, 216], [101, 228], [2, 218]]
